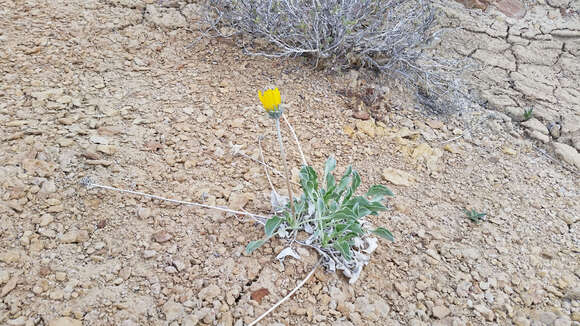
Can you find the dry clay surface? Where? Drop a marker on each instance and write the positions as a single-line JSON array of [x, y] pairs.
[[111, 90]]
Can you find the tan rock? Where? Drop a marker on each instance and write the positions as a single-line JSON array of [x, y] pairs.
[[567, 153], [441, 312], [65, 321], [9, 286], [398, 177]]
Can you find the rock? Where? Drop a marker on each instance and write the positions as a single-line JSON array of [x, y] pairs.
[[508, 150], [348, 130], [535, 124], [238, 201], [534, 134], [511, 8], [173, 311], [48, 187], [516, 113], [191, 320], [65, 321], [4, 276], [435, 124], [362, 115], [75, 236], [398, 177], [10, 256], [99, 140], [147, 254], [337, 294], [452, 148], [38, 167], [367, 127], [441, 312], [555, 130], [168, 18], [60, 276], [567, 153], [9, 286], [144, 212], [209, 292], [562, 321], [484, 311], [576, 316], [573, 293], [431, 156], [162, 236], [46, 219], [471, 253], [521, 321], [402, 288], [20, 321], [107, 149], [544, 317]]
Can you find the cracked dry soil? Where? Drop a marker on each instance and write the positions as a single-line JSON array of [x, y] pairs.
[[116, 90]]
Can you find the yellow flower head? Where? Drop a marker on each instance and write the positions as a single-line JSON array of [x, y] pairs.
[[271, 101]]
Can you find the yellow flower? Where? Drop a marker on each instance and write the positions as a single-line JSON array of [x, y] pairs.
[[271, 101]]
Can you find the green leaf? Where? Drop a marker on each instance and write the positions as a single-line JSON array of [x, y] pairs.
[[328, 168], [254, 245], [356, 210], [330, 182], [344, 248], [373, 206], [271, 225], [319, 207], [377, 192], [355, 227], [309, 181], [384, 233], [355, 181], [343, 184], [339, 228]]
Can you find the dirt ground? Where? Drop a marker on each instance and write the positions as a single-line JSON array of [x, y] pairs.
[[125, 91]]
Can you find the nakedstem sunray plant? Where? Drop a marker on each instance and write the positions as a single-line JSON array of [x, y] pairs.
[[272, 103], [329, 212]]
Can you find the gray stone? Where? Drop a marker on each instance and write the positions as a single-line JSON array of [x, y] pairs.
[[441, 312], [535, 124], [567, 153], [562, 321], [209, 292], [544, 317], [485, 312], [534, 134], [168, 18]]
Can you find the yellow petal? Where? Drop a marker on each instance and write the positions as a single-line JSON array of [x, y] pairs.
[[278, 99]]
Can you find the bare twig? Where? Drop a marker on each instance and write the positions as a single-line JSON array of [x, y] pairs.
[[288, 295], [275, 171], [265, 169], [296, 140], [87, 182]]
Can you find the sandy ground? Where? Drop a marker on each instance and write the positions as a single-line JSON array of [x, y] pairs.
[[111, 90]]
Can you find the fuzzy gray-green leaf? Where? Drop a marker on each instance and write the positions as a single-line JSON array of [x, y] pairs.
[[377, 192], [272, 225], [384, 233], [254, 245]]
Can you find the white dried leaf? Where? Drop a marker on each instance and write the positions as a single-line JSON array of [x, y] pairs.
[[371, 245], [287, 252]]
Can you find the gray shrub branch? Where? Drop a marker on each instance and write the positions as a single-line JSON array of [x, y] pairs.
[[391, 36]]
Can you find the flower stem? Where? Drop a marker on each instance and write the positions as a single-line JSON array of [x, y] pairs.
[[283, 155]]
